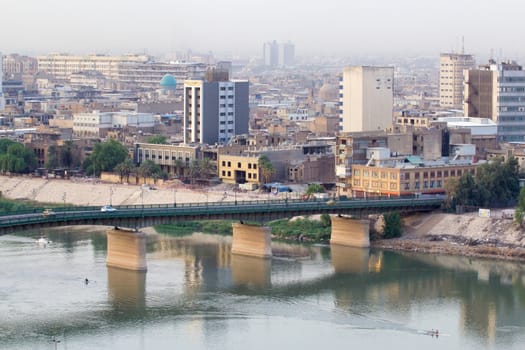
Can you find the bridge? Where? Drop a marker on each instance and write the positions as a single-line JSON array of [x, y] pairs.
[[138, 216], [126, 246]]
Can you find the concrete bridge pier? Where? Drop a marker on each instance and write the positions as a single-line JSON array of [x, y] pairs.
[[126, 249], [350, 232], [252, 240]]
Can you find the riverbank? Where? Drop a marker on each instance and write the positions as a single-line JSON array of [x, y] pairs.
[[466, 234]]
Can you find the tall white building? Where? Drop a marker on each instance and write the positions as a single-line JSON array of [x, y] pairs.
[[497, 91], [366, 98], [271, 53], [2, 99], [278, 54], [451, 68], [215, 109]]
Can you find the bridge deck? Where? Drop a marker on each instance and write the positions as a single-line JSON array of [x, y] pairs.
[[260, 211]]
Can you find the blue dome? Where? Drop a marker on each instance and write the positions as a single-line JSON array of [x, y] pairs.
[[168, 82]]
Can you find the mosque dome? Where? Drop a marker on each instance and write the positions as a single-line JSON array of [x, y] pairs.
[[168, 82], [329, 92]]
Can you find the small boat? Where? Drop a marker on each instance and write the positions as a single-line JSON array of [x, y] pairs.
[[43, 241]]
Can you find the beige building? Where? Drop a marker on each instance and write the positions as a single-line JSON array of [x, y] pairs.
[[239, 169], [401, 179], [173, 159], [451, 67], [366, 98]]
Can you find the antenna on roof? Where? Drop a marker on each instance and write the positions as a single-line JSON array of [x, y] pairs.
[[462, 44]]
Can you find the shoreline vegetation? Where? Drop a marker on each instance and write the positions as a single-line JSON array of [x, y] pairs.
[[437, 233]]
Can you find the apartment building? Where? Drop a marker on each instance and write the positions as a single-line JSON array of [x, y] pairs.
[[366, 98], [451, 68], [497, 91], [215, 108]]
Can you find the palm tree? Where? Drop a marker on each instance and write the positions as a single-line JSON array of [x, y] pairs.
[[179, 166], [266, 168], [194, 170], [124, 169], [207, 168]]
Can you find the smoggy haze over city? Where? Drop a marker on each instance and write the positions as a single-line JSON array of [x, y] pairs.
[[235, 27]]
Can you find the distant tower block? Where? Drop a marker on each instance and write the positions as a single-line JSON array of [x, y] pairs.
[[350, 232], [126, 249], [252, 240]]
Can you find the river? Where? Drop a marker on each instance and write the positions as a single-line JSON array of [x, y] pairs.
[[196, 295]]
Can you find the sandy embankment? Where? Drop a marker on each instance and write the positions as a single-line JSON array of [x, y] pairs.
[[466, 234], [90, 192]]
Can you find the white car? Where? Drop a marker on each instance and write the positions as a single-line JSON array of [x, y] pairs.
[[107, 208]]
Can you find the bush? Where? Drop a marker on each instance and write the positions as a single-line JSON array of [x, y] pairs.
[[392, 227]]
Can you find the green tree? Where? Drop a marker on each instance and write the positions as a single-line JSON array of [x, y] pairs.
[[179, 167], [498, 182], [267, 169], [194, 170], [326, 221], [466, 191], [148, 169], [392, 227], [105, 157], [207, 168], [52, 158], [157, 139], [16, 158], [314, 188], [125, 169], [69, 155], [519, 212]]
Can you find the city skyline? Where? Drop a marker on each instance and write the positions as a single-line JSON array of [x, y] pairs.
[[333, 27]]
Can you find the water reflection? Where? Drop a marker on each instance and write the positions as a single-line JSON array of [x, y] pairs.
[[250, 271], [196, 283], [126, 289], [349, 259]]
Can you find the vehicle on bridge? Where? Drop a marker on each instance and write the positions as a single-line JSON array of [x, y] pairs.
[[48, 212], [107, 208]]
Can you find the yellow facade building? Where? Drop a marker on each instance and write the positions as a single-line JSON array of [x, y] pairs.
[[238, 169], [370, 181]]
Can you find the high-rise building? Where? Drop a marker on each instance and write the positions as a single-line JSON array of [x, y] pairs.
[[2, 99], [215, 108], [286, 54], [278, 54], [366, 98], [451, 68], [497, 91], [271, 53]]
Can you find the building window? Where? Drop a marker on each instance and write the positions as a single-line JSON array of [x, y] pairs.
[[223, 173], [416, 185], [356, 172], [229, 164], [238, 164], [229, 174], [425, 184], [223, 163]]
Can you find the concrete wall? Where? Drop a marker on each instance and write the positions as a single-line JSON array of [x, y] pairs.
[[251, 240], [350, 232], [126, 250]]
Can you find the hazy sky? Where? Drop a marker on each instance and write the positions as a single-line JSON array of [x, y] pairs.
[[241, 26]]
